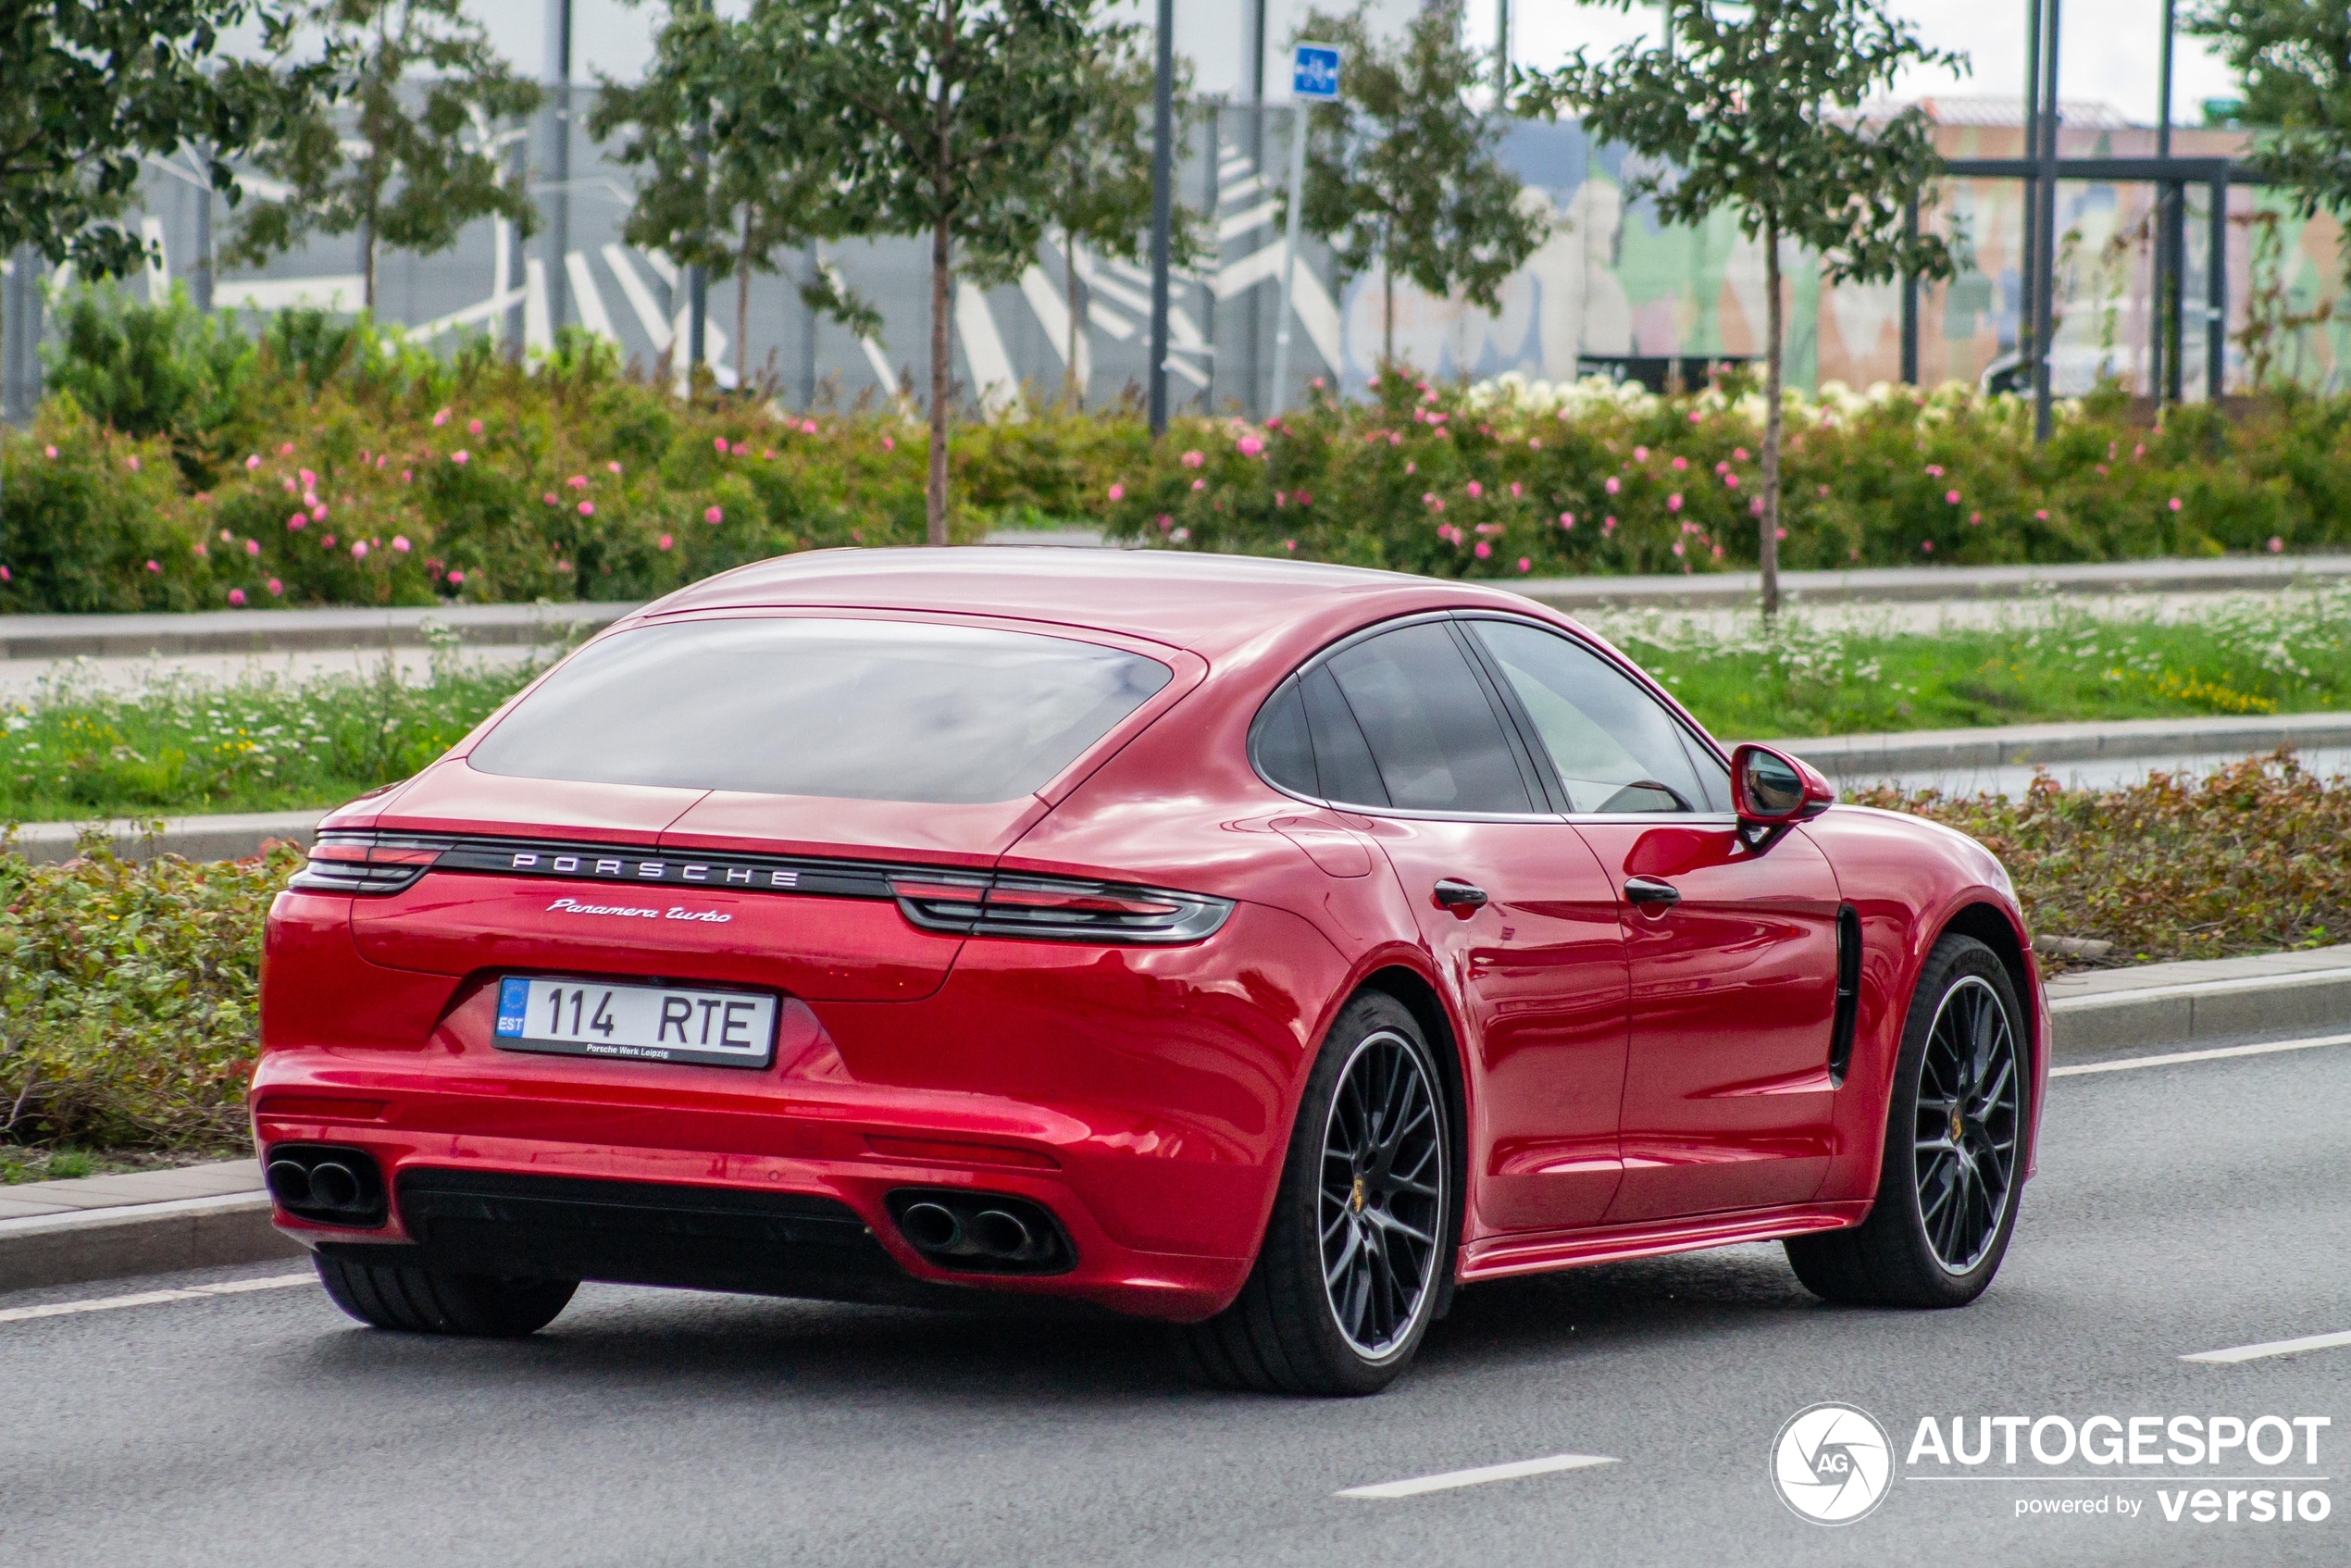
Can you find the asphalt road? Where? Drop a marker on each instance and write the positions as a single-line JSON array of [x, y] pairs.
[[2179, 1209]]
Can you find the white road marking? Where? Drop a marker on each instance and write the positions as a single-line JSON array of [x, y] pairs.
[[150, 1298], [1513, 1471], [2273, 1348], [2265, 1049]]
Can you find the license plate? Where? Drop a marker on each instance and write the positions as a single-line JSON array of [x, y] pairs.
[[636, 1023]]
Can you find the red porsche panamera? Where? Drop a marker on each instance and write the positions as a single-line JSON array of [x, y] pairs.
[[1265, 948]]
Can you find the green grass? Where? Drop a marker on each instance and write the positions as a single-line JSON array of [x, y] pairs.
[[183, 746], [180, 746], [22, 1164], [2281, 653]]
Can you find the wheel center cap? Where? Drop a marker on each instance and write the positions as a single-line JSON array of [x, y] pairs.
[[1959, 1124], [1357, 1197]]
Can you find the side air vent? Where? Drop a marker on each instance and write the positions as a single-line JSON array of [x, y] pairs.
[[1848, 992]]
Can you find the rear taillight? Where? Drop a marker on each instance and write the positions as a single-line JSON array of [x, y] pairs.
[[1050, 907], [366, 863]]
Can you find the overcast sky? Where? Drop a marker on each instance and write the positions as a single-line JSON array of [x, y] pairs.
[[2108, 54]]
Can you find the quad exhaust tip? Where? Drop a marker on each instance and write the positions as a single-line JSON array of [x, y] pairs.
[[290, 1183], [932, 1228], [328, 1184], [982, 1232], [334, 1185]]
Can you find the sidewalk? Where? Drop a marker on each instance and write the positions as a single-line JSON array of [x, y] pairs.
[[2154, 1007], [1901, 585], [274, 632], [263, 631], [1921, 751], [153, 1222]]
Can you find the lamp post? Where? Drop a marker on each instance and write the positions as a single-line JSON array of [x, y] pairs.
[[1162, 206], [2045, 227], [556, 129], [2163, 348]]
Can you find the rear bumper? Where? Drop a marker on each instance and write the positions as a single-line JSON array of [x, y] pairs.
[[779, 1225], [1140, 1095]]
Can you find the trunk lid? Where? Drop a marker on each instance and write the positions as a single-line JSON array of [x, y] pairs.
[[788, 893]]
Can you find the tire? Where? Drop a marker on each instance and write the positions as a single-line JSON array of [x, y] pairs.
[[414, 1299], [1946, 1205], [1392, 1219]]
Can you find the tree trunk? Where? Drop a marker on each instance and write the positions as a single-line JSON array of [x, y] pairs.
[[1073, 387], [1767, 553], [1386, 317], [742, 309], [940, 277], [368, 266]]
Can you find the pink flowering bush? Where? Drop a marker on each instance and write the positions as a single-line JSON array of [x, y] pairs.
[[430, 482], [1420, 476], [290, 470]]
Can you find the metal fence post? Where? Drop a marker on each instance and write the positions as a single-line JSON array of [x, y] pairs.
[[1162, 207], [21, 338], [2216, 291], [1910, 297]]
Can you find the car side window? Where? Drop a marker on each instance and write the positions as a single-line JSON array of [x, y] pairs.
[[1713, 773], [1279, 744], [1435, 738], [1342, 758], [1615, 749]]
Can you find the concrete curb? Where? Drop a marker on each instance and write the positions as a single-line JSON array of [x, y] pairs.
[[1923, 751], [1906, 585], [2177, 1006], [2104, 1013], [69, 1249], [269, 631], [275, 631], [190, 838]]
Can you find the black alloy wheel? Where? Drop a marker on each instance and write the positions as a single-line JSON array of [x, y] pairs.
[[1383, 1193], [1969, 1087], [1957, 1105], [1356, 1260]]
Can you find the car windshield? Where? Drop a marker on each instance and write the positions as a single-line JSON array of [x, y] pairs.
[[850, 709]]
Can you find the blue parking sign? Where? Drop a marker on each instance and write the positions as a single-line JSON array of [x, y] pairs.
[[1315, 72]]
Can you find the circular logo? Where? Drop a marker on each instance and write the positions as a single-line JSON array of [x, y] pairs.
[[1831, 1463]]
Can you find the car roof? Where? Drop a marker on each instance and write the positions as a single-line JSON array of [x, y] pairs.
[[1206, 604]]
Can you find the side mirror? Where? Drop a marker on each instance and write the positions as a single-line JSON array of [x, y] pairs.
[[1774, 792]]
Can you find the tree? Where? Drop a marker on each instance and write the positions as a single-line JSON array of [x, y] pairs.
[[420, 173], [91, 85], [1100, 195], [1402, 172], [1759, 111], [939, 120], [722, 189], [2293, 57]]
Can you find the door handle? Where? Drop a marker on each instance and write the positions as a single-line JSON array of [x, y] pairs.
[[1464, 899], [1650, 893]]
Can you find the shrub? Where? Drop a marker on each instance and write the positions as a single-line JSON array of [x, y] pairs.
[[2246, 860], [127, 1014], [92, 520], [154, 371], [1508, 479], [464, 478]]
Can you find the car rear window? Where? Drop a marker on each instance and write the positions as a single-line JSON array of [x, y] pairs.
[[850, 709]]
